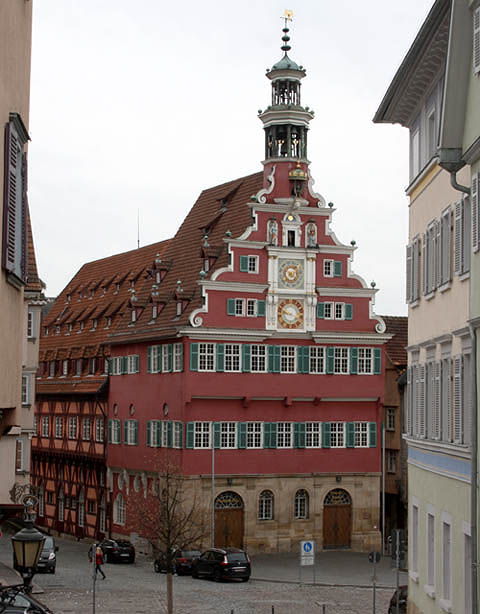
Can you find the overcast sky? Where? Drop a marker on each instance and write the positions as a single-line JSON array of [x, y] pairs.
[[139, 106]]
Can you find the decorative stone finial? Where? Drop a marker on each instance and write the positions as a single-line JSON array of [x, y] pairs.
[[373, 284], [330, 205], [353, 242]]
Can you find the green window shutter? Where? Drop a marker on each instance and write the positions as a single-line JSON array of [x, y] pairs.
[[321, 310], [372, 440], [159, 433], [299, 435], [377, 360], [330, 359], [260, 309], [181, 434], [276, 358], [149, 359], [270, 358], [125, 430], [353, 360], [230, 306], [244, 264], [326, 434], [216, 435], [110, 366], [273, 434], [300, 349], [337, 268], [124, 364], [242, 435], [348, 311], [181, 356], [169, 434], [137, 363], [194, 357], [170, 357], [220, 357], [306, 359], [149, 432], [266, 435], [110, 431], [189, 435], [350, 434], [158, 350], [246, 358], [135, 435]]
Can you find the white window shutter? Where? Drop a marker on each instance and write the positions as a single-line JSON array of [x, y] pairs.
[[475, 212], [457, 400], [445, 400], [421, 400], [436, 402], [467, 399], [476, 40], [409, 400], [438, 252], [445, 248], [458, 248], [408, 295], [425, 264], [416, 255]]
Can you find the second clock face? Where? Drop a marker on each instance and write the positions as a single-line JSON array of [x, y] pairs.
[[290, 273], [290, 313]]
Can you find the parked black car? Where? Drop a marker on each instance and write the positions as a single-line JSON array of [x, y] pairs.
[[118, 551], [182, 562], [48, 557], [14, 601], [401, 594], [222, 563]]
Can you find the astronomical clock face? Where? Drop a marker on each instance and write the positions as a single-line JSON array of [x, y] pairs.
[[290, 313], [290, 273]]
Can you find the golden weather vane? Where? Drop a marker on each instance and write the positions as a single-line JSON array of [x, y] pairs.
[[287, 15]]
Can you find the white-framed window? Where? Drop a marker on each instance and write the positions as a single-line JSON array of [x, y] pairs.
[[254, 434], [45, 426], [116, 365], [206, 357], [446, 558], [337, 434], [284, 434], [178, 357], [99, 430], [202, 434], [339, 311], [30, 325], [391, 461], [72, 427], [131, 432], [361, 434], [265, 505], [78, 370], [232, 357], [328, 268], [19, 456], [133, 363], [430, 550], [164, 442], [288, 359], [86, 429], [58, 427], [35, 424], [365, 360], [317, 359], [165, 361], [340, 361], [313, 434], [258, 358], [301, 505], [251, 307], [25, 390], [177, 434], [253, 264], [328, 312], [65, 367], [51, 368], [390, 419], [81, 509], [239, 307], [119, 510], [228, 435]]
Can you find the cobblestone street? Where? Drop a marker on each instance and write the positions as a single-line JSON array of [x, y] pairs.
[[137, 589]]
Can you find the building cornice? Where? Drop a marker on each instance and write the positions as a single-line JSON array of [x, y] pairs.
[[226, 334], [350, 338], [233, 286], [347, 292], [473, 152]]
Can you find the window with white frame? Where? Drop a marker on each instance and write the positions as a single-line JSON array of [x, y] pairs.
[[177, 434], [317, 360], [239, 307], [202, 432], [430, 535], [253, 264], [86, 429], [78, 370], [115, 433], [45, 426], [164, 439], [81, 509], [251, 307], [99, 430], [51, 368], [165, 361], [178, 357], [117, 365], [133, 363], [446, 559], [391, 461], [131, 432], [340, 361], [328, 311], [284, 434], [313, 434], [232, 357], [91, 366], [19, 456], [337, 434], [287, 359], [119, 510], [365, 360], [35, 424], [390, 419], [228, 432], [25, 390], [361, 434], [30, 327], [301, 505], [328, 268], [265, 505], [258, 358], [339, 311], [72, 427], [206, 357], [65, 367], [58, 427], [254, 434]]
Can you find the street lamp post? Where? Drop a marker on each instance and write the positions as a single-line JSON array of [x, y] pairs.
[[27, 544]]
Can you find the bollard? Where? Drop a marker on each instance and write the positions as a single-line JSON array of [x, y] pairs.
[[323, 608]]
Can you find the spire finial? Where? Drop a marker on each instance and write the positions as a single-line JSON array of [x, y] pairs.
[[287, 16]]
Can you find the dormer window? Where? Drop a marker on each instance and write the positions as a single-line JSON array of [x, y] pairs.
[[65, 367], [57, 330], [94, 323], [134, 315], [108, 322], [117, 288], [158, 277], [51, 369], [46, 331], [92, 293], [132, 284], [179, 308], [80, 327], [91, 366], [154, 312], [206, 265], [70, 328], [67, 298]]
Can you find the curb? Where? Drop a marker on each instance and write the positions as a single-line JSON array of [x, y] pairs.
[[324, 584]]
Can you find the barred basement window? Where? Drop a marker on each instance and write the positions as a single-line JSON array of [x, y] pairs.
[[313, 434], [258, 358], [254, 434], [301, 505], [228, 435], [265, 505]]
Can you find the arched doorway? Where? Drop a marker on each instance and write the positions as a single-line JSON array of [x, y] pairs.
[[337, 519], [229, 520]]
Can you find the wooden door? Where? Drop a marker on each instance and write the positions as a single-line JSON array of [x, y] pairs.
[[337, 526], [229, 528]]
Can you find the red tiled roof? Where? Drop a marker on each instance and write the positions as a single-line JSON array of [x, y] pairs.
[[80, 386], [217, 210], [396, 347]]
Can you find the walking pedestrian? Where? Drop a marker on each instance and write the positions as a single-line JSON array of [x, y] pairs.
[[99, 562]]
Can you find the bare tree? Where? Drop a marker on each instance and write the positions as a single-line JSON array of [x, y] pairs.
[[169, 518]]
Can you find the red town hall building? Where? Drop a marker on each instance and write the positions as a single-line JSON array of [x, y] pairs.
[[248, 341]]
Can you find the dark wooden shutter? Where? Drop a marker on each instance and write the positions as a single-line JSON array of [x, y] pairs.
[[348, 311], [321, 310], [230, 306], [11, 205], [169, 426], [377, 361], [267, 434], [149, 432], [170, 357], [216, 434], [149, 359], [110, 431], [330, 359]]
